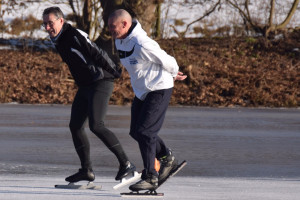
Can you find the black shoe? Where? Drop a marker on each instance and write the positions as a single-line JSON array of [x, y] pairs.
[[125, 170], [82, 175], [148, 182], [167, 164]]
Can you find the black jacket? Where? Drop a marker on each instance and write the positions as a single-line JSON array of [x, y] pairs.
[[87, 62]]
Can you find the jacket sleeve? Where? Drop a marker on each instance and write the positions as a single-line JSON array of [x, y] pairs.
[[97, 55], [151, 51]]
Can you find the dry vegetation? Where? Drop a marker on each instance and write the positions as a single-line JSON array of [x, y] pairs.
[[221, 72]]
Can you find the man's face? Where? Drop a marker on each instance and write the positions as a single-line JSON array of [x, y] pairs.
[[52, 25], [117, 28]]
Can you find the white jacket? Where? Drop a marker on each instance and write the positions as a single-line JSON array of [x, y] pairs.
[[150, 68]]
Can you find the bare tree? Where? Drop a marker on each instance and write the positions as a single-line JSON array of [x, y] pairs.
[[86, 15], [264, 28], [91, 15], [144, 11], [157, 26], [213, 7]]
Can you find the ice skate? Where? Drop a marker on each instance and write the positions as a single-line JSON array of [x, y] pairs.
[[128, 180], [148, 182], [173, 172], [125, 171], [167, 164], [82, 175], [151, 189], [124, 175]]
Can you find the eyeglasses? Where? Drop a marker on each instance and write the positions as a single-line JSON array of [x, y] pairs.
[[50, 23]]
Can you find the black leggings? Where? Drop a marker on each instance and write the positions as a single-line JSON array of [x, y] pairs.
[[91, 102]]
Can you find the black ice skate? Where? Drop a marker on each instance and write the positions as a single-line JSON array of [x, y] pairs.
[[81, 175], [148, 182], [151, 191], [167, 164], [125, 171], [127, 174]]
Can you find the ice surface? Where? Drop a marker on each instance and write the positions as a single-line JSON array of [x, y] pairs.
[[25, 187], [232, 153]]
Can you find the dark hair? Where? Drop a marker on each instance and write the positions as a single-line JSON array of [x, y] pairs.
[[54, 10]]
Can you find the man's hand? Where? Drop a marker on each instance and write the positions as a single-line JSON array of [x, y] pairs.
[[180, 77]]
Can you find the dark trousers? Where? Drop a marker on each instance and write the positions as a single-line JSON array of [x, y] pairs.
[[91, 102], [147, 118]]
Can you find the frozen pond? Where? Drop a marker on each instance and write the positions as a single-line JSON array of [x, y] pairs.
[[232, 153], [218, 142]]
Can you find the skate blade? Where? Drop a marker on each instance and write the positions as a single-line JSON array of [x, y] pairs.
[[90, 186], [178, 168], [173, 173], [124, 181], [143, 194]]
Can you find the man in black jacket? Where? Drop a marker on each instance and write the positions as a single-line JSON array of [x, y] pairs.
[[94, 73]]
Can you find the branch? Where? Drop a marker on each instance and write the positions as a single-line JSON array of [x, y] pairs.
[[288, 18], [247, 16], [71, 3], [272, 11], [247, 9], [199, 19], [180, 34]]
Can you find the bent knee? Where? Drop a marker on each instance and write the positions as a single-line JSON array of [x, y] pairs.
[[75, 128], [97, 127]]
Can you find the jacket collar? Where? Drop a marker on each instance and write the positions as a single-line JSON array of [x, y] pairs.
[[134, 30], [56, 39]]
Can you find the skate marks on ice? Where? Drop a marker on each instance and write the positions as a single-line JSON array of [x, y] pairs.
[[126, 181], [89, 185], [24, 187]]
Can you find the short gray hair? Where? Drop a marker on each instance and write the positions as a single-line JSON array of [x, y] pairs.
[[54, 10], [121, 13]]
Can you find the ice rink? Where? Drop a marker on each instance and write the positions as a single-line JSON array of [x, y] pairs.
[[232, 153], [22, 186]]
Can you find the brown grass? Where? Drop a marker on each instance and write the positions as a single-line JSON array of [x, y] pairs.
[[221, 72]]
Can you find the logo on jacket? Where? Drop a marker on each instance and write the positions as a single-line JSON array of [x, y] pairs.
[[133, 61], [125, 54]]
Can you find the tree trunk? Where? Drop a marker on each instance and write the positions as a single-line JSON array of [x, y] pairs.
[[157, 29], [87, 16], [272, 12], [265, 29], [105, 41], [144, 11]]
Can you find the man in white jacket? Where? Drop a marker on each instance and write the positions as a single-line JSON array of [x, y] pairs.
[[152, 72]]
